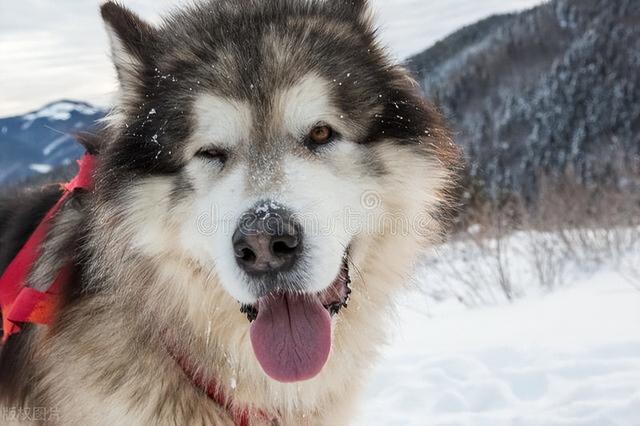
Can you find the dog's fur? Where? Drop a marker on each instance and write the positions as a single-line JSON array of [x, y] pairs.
[[247, 77]]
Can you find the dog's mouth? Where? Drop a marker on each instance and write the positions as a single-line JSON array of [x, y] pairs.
[[334, 298], [291, 332]]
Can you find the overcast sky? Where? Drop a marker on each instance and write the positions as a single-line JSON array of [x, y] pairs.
[[54, 49]]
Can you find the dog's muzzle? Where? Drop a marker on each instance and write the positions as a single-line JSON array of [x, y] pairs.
[[290, 327]]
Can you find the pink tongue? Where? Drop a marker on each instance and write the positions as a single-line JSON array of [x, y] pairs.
[[291, 337]]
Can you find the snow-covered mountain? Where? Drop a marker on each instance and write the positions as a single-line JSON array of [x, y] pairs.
[[42, 140], [552, 91]]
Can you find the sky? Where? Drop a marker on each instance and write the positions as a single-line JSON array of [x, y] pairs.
[[55, 49]]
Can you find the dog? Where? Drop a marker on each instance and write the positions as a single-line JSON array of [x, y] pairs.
[[262, 187]]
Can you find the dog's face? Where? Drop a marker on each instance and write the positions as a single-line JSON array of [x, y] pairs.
[[272, 151]]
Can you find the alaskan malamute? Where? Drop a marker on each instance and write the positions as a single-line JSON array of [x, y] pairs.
[[263, 184]]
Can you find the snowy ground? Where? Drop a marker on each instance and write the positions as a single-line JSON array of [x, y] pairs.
[[52, 50], [564, 357]]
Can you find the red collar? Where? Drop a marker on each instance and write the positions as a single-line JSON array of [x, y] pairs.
[[241, 415], [19, 303]]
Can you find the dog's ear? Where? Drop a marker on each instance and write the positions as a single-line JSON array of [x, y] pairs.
[[132, 41]]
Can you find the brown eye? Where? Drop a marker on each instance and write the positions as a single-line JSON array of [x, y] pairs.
[[321, 134]]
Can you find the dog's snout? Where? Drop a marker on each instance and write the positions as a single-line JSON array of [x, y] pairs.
[[267, 240]]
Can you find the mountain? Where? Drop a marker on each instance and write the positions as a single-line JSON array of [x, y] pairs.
[[546, 93], [42, 140], [551, 91]]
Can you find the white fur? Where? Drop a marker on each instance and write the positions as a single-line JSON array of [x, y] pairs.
[[212, 220], [221, 122], [305, 105]]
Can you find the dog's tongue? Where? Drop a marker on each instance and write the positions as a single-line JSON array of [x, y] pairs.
[[291, 336]]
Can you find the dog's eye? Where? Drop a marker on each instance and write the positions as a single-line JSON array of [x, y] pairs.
[[212, 154], [321, 134]]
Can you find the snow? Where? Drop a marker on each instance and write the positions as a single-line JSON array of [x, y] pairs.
[[54, 144], [41, 168], [60, 50], [565, 357], [61, 111], [266, 207]]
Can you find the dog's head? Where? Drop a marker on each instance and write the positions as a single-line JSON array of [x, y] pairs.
[[265, 154]]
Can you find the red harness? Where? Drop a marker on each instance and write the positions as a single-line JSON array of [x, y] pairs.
[[20, 304]]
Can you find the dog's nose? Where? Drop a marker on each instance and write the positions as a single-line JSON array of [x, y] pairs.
[[267, 240]]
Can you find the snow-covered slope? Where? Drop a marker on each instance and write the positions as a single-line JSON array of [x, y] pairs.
[[60, 111], [570, 357], [40, 141]]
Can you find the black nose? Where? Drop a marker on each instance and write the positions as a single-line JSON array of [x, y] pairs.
[[267, 240]]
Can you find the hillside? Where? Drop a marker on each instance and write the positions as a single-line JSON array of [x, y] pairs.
[[42, 140], [552, 90]]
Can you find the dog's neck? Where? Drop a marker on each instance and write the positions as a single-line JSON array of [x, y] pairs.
[[241, 414]]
